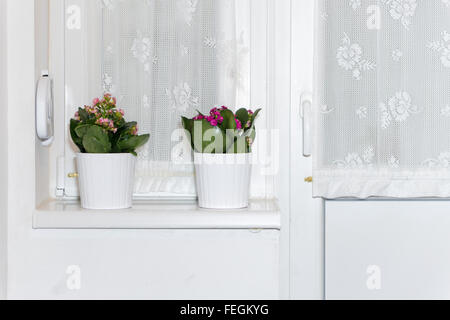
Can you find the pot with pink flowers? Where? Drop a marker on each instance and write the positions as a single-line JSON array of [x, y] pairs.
[[222, 143], [107, 157]]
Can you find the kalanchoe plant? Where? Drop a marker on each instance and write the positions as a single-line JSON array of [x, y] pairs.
[[102, 128], [222, 131]]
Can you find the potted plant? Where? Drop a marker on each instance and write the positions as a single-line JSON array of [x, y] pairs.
[[222, 143], [107, 157]]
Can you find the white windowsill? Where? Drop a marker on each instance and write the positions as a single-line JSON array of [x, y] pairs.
[[262, 214]]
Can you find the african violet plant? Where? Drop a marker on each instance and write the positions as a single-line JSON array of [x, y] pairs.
[[101, 128], [222, 131]]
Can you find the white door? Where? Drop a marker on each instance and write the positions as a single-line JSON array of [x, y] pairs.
[[382, 133]]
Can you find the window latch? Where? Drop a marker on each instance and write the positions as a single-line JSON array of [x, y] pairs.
[[306, 102], [44, 109]]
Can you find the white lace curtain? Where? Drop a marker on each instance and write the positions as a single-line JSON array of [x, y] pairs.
[[168, 58], [383, 99]]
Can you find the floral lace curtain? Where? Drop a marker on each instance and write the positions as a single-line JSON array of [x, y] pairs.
[[382, 99], [164, 59]]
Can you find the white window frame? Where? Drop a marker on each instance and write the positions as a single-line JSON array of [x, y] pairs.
[[261, 95]]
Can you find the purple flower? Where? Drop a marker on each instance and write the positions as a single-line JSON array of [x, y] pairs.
[[238, 124], [199, 117]]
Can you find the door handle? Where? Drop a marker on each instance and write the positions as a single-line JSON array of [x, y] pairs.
[[306, 102]]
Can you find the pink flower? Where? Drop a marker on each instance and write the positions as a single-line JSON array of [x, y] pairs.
[[199, 117], [250, 112], [96, 101], [134, 130], [214, 123], [238, 124], [114, 101]]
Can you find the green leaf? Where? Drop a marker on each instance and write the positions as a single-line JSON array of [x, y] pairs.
[[120, 131], [229, 122], [188, 124], [255, 115], [131, 143], [252, 137], [254, 118], [84, 115], [241, 141], [208, 139], [242, 115], [75, 138], [129, 125], [96, 140], [240, 145], [82, 130]]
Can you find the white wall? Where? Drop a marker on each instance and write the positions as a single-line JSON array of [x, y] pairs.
[[3, 154], [21, 148]]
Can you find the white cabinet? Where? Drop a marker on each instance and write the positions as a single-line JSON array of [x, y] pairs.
[[388, 250], [148, 264], [153, 251]]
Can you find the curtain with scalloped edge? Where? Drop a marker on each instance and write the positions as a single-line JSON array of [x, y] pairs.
[[382, 124], [168, 58]]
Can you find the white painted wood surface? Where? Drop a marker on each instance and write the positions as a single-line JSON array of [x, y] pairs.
[[306, 221], [388, 249], [261, 214], [3, 155], [148, 264]]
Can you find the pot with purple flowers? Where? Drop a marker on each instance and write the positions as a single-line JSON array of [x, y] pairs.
[[222, 142], [107, 157]]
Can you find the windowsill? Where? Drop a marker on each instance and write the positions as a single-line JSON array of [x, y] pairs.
[[261, 214]]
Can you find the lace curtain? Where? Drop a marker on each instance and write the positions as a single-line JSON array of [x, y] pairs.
[[168, 58], [382, 99]]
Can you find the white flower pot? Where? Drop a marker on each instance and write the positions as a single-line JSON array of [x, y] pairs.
[[106, 181], [223, 180]]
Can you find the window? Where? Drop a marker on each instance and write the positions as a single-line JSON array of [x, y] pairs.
[[163, 59], [383, 104]]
